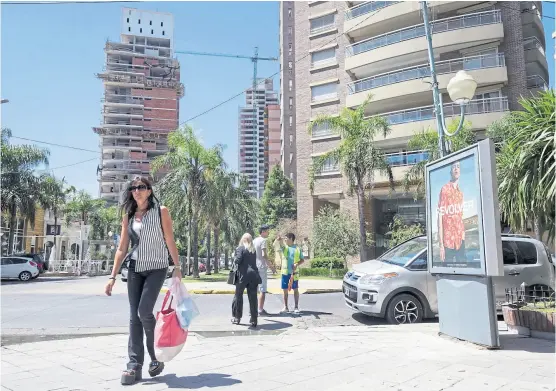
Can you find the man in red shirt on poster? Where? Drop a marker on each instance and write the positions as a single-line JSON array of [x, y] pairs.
[[451, 230]]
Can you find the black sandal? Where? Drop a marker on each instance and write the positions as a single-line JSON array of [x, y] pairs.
[[131, 376], [156, 368], [235, 320], [254, 323]]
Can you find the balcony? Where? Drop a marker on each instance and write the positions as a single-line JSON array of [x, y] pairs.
[[405, 123], [115, 100], [535, 57], [536, 84], [409, 45], [405, 86]]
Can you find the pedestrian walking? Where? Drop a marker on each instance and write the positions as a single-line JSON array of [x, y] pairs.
[[292, 258], [263, 264], [148, 226], [247, 276]]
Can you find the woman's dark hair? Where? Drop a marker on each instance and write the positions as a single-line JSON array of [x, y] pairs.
[[129, 205]]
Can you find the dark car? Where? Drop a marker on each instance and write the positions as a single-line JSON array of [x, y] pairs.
[[42, 264]]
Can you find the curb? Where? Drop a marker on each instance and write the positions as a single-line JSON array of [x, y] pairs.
[[270, 291]]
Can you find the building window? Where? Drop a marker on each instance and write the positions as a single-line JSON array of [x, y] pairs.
[[162, 32], [329, 165], [321, 130], [289, 13], [291, 140], [291, 103], [324, 23], [152, 31], [161, 24], [324, 92], [150, 23], [129, 29], [323, 57], [291, 158], [140, 30], [291, 176], [290, 49], [290, 84], [290, 30], [127, 20], [291, 120], [139, 21]]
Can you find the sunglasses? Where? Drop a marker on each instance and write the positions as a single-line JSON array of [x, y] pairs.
[[140, 188]]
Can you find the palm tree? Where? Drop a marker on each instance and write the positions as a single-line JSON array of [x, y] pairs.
[[526, 165], [21, 188], [190, 165], [357, 155], [82, 207], [54, 196], [427, 142]]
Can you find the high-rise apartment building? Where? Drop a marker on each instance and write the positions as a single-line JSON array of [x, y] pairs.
[[379, 48], [141, 98], [287, 89], [251, 135], [272, 137]]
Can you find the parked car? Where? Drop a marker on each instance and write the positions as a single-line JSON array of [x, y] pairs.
[[124, 272], [398, 286], [24, 269], [42, 264]]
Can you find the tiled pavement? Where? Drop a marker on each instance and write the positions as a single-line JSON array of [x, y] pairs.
[[394, 358]]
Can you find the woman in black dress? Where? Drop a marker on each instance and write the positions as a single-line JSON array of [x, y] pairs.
[[247, 276]]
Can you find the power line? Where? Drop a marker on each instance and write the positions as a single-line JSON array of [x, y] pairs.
[[276, 73], [66, 2], [54, 168], [56, 145]]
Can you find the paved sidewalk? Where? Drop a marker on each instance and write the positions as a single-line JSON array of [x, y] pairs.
[[393, 358], [306, 286]]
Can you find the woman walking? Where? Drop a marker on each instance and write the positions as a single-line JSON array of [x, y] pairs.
[[247, 276], [149, 228]]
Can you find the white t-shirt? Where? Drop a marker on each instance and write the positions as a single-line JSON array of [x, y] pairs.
[[260, 245]]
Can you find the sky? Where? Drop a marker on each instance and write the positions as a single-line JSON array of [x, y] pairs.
[[50, 54]]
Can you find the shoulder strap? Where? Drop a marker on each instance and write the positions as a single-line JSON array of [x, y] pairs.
[[160, 218]]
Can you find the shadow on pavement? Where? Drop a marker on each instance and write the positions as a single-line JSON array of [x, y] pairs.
[[526, 344], [209, 380], [374, 321]]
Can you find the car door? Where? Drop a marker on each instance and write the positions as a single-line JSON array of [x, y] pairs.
[[7, 268], [511, 275], [531, 270], [428, 284]]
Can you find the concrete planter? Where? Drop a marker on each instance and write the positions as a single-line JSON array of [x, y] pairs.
[[530, 323]]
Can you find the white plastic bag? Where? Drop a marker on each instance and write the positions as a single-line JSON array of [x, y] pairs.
[[186, 309]]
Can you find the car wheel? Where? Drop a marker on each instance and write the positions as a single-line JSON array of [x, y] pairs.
[[404, 309], [25, 276]]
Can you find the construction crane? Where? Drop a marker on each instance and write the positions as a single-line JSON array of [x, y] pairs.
[[255, 59]]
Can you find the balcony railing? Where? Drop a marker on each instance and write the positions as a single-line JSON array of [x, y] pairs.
[[408, 158], [448, 24], [322, 29], [531, 43], [367, 7], [536, 81], [478, 106], [420, 71]]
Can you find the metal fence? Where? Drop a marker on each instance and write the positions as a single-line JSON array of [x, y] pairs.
[[537, 296]]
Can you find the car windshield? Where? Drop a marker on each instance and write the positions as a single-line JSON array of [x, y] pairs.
[[404, 252]]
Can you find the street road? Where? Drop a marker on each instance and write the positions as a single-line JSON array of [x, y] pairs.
[[61, 307]]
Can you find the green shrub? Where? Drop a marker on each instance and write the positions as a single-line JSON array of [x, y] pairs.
[[324, 262], [321, 272]]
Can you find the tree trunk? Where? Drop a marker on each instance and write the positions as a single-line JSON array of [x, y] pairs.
[[13, 222], [189, 232], [216, 250], [226, 264], [195, 247], [208, 273], [55, 226], [362, 231], [537, 227]]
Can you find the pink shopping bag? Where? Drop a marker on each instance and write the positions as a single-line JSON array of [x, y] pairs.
[[169, 336]]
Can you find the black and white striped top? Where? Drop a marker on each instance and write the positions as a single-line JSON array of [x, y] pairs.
[[152, 252]]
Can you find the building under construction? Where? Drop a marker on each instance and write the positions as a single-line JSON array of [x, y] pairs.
[[141, 99]]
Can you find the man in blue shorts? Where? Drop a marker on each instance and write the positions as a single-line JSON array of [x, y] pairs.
[[292, 257]]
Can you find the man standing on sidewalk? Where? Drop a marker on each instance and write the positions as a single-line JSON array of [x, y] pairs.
[[263, 264], [291, 259]]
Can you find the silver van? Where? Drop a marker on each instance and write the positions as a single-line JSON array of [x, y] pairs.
[[398, 286]]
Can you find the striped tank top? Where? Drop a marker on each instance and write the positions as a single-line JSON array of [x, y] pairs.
[[152, 253]]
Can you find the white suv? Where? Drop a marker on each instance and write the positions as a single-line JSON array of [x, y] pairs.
[[398, 286]]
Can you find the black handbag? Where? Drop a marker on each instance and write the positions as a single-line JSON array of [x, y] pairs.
[[232, 277]]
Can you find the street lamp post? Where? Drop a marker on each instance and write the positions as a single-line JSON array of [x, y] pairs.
[[461, 89]]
